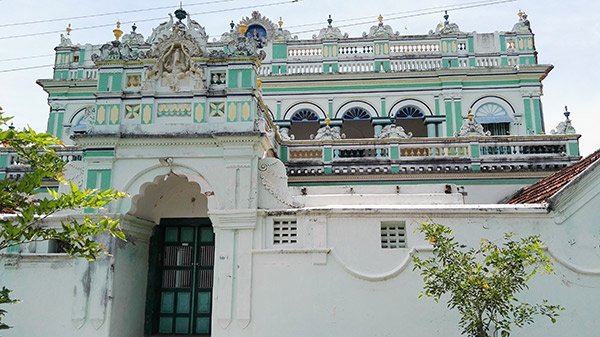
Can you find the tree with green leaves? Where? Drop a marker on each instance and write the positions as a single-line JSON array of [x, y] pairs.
[[483, 284], [24, 214]]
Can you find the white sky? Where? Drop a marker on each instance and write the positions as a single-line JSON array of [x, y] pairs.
[[567, 36]]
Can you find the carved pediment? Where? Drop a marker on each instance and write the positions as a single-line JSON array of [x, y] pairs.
[[173, 46]]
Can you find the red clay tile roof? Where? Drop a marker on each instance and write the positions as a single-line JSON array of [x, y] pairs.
[[542, 190]]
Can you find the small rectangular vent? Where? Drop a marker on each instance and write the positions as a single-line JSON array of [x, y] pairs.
[[285, 232], [393, 234]]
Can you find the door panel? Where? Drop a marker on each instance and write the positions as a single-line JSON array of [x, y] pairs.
[[183, 278]]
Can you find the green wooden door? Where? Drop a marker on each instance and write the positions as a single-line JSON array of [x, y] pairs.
[[183, 278]]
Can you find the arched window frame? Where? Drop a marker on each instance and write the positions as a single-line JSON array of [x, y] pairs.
[[356, 113], [304, 115], [356, 104], [507, 119], [393, 111], [409, 111], [303, 105]]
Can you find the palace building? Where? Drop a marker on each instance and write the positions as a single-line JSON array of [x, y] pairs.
[[276, 183]]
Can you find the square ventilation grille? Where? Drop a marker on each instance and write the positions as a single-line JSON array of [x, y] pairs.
[[285, 232], [393, 235]]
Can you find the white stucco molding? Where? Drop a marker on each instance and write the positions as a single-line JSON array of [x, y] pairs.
[[386, 275], [233, 219]]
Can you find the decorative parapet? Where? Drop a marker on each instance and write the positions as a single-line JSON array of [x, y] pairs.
[[133, 38], [446, 28], [430, 155], [330, 32], [381, 30], [565, 127], [523, 26]]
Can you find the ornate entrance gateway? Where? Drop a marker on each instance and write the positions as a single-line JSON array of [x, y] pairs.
[[180, 278]]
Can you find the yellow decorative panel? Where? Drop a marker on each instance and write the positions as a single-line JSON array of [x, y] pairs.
[[101, 115], [199, 113], [245, 111], [114, 114], [147, 114], [232, 112], [386, 49], [325, 51], [377, 49]]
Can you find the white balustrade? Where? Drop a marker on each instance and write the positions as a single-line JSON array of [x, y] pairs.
[[487, 62], [353, 50], [314, 68], [356, 67], [264, 70], [415, 48], [90, 74], [304, 52], [415, 65]]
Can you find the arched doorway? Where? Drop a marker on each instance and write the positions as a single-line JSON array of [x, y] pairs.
[[180, 257]]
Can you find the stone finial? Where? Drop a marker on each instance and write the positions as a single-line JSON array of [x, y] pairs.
[[280, 22], [180, 13], [133, 28], [117, 31], [380, 19], [232, 25], [446, 27], [523, 26], [565, 127], [69, 29], [330, 20]]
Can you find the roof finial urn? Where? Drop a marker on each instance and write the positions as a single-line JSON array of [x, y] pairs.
[[280, 22], [380, 19], [330, 20], [180, 13], [446, 16], [567, 113], [242, 28], [117, 31], [69, 29]]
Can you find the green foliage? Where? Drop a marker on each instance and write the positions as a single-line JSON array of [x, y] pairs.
[[482, 283], [5, 299], [27, 212]]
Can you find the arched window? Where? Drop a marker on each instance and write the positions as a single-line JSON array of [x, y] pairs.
[[304, 123], [356, 113], [305, 115], [357, 123], [258, 30], [411, 118], [409, 111], [494, 118]]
